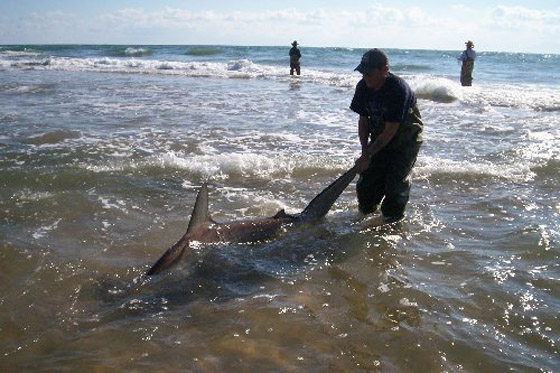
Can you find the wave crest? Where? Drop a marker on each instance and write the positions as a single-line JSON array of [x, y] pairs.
[[203, 51], [130, 52], [434, 88], [53, 137], [137, 52]]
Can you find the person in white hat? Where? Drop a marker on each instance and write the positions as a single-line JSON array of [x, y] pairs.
[[468, 56]]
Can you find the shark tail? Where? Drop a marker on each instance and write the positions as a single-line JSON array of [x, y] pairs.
[[200, 213], [321, 204]]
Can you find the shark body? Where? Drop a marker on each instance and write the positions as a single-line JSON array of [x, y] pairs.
[[202, 229]]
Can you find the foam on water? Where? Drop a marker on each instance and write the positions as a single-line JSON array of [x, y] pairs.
[[222, 166], [428, 87], [435, 89], [132, 51], [440, 167]]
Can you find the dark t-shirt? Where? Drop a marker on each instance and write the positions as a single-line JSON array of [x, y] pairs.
[[390, 103], [395, 101], [295, 55]]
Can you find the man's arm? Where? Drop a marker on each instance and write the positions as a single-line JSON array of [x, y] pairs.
[[363, 132], [368, 150]]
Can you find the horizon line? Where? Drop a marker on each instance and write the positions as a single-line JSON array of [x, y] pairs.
[[268, 46]]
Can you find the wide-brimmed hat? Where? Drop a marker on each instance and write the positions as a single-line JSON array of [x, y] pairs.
[[469, 43], [295, 43]]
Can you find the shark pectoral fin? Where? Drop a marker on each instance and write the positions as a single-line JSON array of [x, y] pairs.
[[200, 212]]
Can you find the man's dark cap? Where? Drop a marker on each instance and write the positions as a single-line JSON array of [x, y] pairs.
[[372, 59]]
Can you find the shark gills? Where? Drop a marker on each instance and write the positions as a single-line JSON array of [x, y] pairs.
[[202, 229]]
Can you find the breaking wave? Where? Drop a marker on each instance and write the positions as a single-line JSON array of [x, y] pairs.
[[432, 88]]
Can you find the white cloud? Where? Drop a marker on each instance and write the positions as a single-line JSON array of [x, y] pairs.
[[495, 28], [379, 15], [177, 18], [517, 17]]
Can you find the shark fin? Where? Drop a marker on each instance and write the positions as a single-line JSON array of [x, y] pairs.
[[283, 215], [200, 212], [322, 203], [174, 253], [169, 258]]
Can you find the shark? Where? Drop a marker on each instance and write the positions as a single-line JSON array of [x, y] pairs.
[[202, 229]]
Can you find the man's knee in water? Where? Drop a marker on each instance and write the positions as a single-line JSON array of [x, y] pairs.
[[367, 208]]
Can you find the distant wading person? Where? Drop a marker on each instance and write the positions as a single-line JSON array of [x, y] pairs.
[[390, 132], [295, 55], [468, 56]]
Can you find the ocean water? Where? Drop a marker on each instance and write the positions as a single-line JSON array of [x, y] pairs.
[[103, 149]]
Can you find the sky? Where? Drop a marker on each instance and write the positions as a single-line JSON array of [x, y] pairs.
[[531, 26]]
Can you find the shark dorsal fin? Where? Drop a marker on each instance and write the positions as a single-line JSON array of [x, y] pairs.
[[283, 215], [200, 212]]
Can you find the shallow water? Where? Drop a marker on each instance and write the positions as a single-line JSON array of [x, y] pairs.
[[100, 167]]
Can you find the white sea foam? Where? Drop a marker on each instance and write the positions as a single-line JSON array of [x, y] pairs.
[[44, 230], [132, 51], [26, 195], [428, 87], [245, 164], [435, 89], [109, 203], [23, 53], [527, 96], [242, 68], [521, 97], [429, 166]]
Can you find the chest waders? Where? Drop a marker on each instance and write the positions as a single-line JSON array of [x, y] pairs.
[[387, 181], [410, 130], [466, 72]]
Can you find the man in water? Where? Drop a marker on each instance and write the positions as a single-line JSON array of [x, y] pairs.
[[390, 132], [468, 56], [295, 55]]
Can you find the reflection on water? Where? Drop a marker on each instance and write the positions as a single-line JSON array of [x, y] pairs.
[[295, 84]]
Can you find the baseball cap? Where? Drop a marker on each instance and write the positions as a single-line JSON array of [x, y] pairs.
[[372, 59]]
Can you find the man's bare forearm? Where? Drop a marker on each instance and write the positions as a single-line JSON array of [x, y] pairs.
[[363, 133], [383, 139]]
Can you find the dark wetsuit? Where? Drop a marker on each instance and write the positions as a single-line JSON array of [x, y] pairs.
[[387, 181]]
